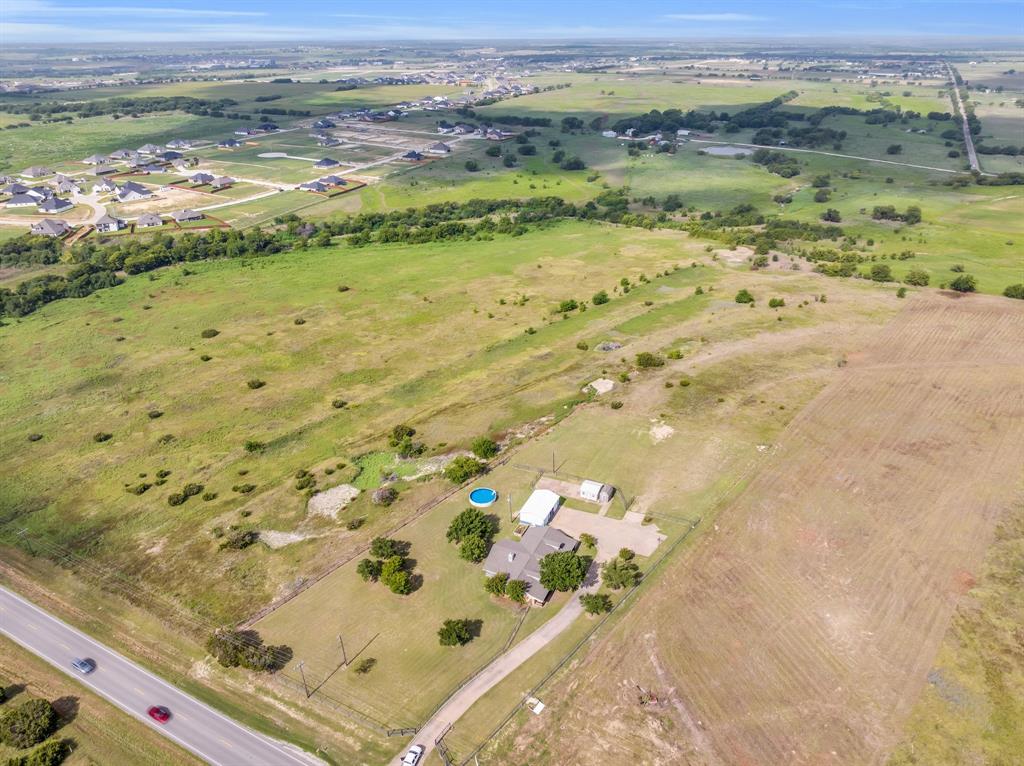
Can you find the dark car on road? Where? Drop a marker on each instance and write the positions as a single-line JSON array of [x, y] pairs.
[[83, 666]]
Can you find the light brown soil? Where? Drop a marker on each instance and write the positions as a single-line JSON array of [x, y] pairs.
[[802, 628]]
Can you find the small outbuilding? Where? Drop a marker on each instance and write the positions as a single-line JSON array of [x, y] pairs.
[[596, 492], [539, 507]]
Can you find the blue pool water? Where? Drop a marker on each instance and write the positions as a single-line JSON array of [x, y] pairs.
[[482, 497]]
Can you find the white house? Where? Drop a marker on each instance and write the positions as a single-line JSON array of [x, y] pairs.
[[108, 223], [596, 492], [609, 134], [539, 507]]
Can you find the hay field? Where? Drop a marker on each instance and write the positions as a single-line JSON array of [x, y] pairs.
[[803, 628]]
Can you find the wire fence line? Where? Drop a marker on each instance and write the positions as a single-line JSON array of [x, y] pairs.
[[579, 645]]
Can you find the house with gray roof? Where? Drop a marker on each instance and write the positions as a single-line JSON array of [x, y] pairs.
[[149, 149], [22, 200], [50, 227], [201, 178], [313, 186], [228, 143], [520, 559], [178, 143], [221, 182], [55, 205], [120, 154], [36, 171], [105, 186], [69, 186], [108, 223], [440, 148], [148, 220], [40, 192], [102, 170], [170, 155], [132, 191], [411, 156], [333, 181], [326, 162], [182, 216], [15, 188], [94, 159]]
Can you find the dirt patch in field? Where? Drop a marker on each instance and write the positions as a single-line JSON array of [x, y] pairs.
[[331, 501], [803, 627]]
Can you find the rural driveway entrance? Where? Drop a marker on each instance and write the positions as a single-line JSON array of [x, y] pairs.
[[611, 534], [503, 665]]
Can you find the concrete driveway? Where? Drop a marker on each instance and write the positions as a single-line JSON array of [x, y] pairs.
[[611, 534]]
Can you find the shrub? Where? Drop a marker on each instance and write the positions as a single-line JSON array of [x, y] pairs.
[[369, 570], [894, 149], [600, 298], [102, 436], [473, 549], [1014, 291], [343, 288], [176, 498], [384, 547], [616, 405], [965, 283], [305, 482], [27, 724], [245, 648], [562, 571], [191, 490], [646, 360], [583, 345], [49, 753], [300, 321], [472, 166], [364, 666], [210, 333], [484, 448], [917, 277], [620, 573], [139, 488], [454, 633], [154, 414], [901, 293], [496, 585], [493, 151], [208, 496], [205, 358], [822, 195], [626, 554], [588, 540], [595, 603], [744, 296], [240, 539], [471, 522], [353, 524], [255, 383], [384, 496], [515, 590], [37, 437], [462, 469], [776, 303], [880, 272], [339, 404]]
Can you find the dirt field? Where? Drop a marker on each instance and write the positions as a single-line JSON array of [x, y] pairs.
[[803, 627]]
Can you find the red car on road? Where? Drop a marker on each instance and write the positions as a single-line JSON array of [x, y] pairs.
[[159, 713]]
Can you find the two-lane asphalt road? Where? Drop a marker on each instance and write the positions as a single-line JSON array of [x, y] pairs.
[[195, 726]]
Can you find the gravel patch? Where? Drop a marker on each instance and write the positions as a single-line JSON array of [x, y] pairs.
[[331, 501]]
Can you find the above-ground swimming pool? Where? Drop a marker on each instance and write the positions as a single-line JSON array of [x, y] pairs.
[[481, 497]]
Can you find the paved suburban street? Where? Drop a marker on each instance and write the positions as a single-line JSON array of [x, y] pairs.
[[195, 726]]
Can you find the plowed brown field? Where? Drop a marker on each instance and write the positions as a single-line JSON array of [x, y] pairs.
[[802, 628]]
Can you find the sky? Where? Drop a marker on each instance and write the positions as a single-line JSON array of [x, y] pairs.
[[469, 21]]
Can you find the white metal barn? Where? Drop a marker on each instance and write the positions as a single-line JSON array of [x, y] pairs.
[[596, 492], [539, 507]]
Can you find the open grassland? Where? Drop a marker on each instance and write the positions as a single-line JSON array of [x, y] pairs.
[[100, 732], [803, 627], [405, 343], [64, 145]]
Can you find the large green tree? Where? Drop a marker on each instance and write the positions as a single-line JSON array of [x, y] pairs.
[[563, 571]]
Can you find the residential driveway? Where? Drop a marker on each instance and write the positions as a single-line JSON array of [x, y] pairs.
[[502, 666], [611, 534]]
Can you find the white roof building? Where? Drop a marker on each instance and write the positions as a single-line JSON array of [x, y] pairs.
[[539, 507], [595, 491]]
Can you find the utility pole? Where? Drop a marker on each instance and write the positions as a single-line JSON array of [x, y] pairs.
[[303, 674]]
